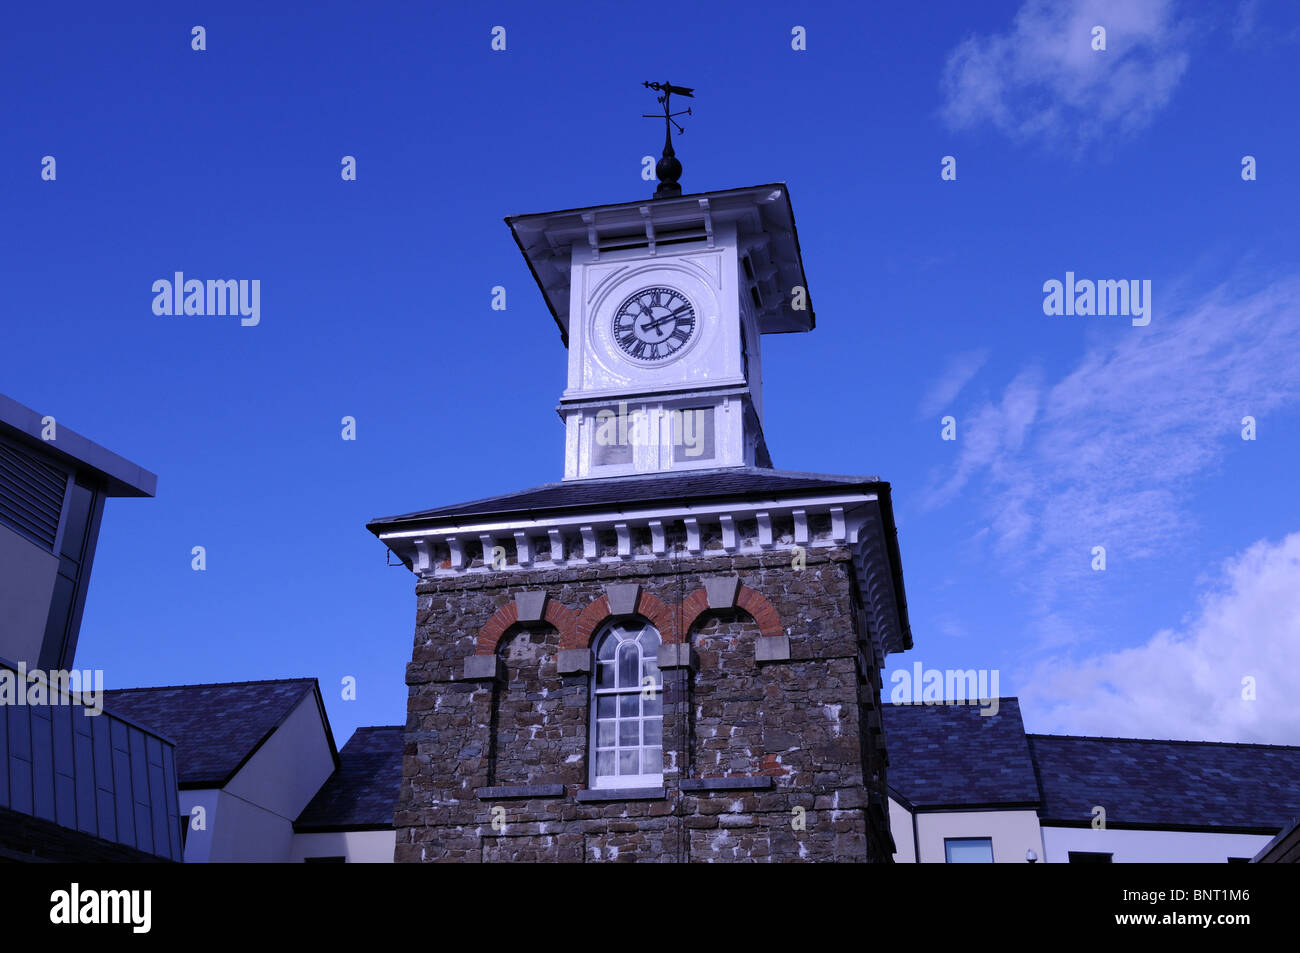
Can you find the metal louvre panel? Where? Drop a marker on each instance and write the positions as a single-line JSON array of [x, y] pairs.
[[31, 495]]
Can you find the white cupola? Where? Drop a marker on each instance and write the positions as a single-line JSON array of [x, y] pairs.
[[662, 305]]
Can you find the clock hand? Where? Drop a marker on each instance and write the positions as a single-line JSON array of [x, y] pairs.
[[672, 315]]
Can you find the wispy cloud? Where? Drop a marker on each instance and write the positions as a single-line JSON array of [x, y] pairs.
[[1043, 80], [961, 368], [1106, 455], [1188, 683], [1251, 32]]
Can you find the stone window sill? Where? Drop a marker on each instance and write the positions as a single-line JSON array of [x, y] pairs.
[[519, 791], [622, 794], [727, 784]]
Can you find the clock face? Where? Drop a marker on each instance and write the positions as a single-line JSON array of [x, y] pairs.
[[654, 324]]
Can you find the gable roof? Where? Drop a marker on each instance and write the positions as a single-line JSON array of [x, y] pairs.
[[725, 484], [362, 793], [1167, 784], [951, 755], [216, 727]]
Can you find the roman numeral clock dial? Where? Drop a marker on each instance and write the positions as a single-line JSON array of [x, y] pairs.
[[654, 324]]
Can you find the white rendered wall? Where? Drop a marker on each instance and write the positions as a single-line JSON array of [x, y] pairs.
[[359, 847], [290, 767], [236, 831], [900, 828], [1012, 833], [251, 818], [1145, 846], [198, 843]]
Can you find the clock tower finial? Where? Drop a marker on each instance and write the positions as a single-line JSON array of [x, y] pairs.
[[668, 169]]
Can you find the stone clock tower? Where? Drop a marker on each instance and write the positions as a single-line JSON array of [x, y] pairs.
[[674, 652]]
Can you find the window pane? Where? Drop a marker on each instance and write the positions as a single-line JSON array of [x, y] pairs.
[[969, 850], [692, 434], [627, 740], [628, 665], [607, 451]]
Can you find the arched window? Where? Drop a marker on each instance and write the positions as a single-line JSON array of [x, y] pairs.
[[627, 717]]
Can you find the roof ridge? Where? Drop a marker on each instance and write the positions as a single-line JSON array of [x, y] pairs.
[[1165, 741], [240, 684]]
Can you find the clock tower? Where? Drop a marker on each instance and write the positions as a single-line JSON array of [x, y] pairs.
[[663, 305], [674, 652]]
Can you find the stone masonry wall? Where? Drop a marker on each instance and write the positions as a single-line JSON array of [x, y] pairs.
[[789, 733]]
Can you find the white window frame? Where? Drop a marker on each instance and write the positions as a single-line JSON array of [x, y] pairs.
[[624, 632]]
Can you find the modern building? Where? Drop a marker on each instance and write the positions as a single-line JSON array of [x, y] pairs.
[[80, 783], [967, 787], [250, 758], [53, 486], [1282, 849], [260, 778], [77, 782]]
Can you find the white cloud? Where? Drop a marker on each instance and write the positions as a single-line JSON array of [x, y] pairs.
[[1188, 684], [1108, 454], [955, 376], [1043, 80]]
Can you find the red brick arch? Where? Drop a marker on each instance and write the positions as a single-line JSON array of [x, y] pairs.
[[674, 623], [488, 636], [749, 600], [649, 606]]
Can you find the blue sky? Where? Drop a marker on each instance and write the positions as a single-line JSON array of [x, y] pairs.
[[1072, 432]]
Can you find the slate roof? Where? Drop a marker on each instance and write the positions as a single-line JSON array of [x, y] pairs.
[[362, 793], [217, 727], [1142, 783], [951, 755], [723, 484]]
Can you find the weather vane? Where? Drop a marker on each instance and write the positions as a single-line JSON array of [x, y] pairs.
[[668, 169]]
